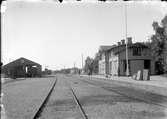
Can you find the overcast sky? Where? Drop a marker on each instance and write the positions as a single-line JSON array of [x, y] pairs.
[[55, 35]]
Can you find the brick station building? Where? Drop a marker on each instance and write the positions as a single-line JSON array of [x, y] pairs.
[[113, 58], [22, 67]]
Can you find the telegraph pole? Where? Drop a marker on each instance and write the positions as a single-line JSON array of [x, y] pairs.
[[0, 28], [2, 10], [74, 68], [127, 62], [82, 62], [74, 64]]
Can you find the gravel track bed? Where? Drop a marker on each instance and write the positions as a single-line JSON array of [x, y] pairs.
[[22, 98], [61, 104], [102, 104]]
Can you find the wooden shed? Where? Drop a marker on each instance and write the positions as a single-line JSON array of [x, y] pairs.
[[22, 67]]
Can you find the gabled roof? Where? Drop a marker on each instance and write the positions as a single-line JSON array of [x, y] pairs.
[[105, 47], [121, 48], [19, 62]]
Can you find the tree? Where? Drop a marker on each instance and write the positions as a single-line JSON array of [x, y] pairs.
[[88, 65], [91, 64], [95, 63], [164, 25], [102, 0], [60, 1], [159, 45]]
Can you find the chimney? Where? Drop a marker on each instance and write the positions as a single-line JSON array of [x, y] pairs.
[[123, 42], [119, 43], [129, 40]]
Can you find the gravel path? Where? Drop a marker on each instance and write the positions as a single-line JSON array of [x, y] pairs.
[[22, 98]]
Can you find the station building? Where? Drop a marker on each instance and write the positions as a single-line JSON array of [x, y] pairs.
[[104, 59], [22, 67], [113, 60]]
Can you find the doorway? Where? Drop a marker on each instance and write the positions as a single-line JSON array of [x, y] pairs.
[[147, 64]]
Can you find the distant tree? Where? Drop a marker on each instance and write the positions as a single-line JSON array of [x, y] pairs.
[[95, 63], [67, 71], [102, 0], [88, 65], [91, 64], [60, 1], [159, 45], [48, 71]]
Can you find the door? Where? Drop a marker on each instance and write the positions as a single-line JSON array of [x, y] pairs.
[[125, 66], [147, 64]]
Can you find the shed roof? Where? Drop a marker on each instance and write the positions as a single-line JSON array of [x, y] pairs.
[[20, 62]]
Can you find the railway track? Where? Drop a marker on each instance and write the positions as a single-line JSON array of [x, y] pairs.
[[121, 93], [40, 109], [110, 88], [76, 100]]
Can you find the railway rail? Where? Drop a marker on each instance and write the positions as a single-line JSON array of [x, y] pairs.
[[77, 102], [42, 106], [39, 111], [109, 88], [120, 93]]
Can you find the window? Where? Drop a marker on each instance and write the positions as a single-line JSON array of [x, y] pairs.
[[110, 67], [103, 56], [137, 51], [109, 55]]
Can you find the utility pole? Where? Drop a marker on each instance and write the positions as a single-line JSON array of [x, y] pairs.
[[0, 31], [82, 62], [74, 64], [2, 10], [74, 68], [127, 62]]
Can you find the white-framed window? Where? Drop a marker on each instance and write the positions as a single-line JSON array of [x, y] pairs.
[[110, 65], [137, 51]]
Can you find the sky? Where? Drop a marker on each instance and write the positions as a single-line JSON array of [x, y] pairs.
[[56, 35]]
